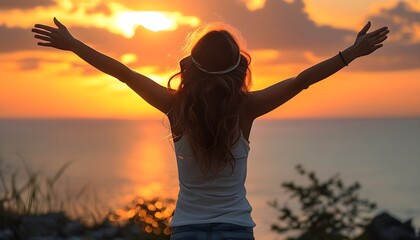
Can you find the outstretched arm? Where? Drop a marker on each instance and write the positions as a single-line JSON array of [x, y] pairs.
[[60, 38], [266, 100]]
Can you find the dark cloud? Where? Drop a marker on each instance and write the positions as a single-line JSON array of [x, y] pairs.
[[32, 63], [152, 48], [24, 4], [279, 25], [16, 39], [402, 51], [393, 56], [282, 25], [404, 10], [285, 26], [28, 63]]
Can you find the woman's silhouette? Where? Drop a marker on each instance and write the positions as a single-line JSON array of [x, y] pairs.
[[211, 115]]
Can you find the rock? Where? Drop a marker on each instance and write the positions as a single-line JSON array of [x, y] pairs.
[[134, 230], [42, 225], [43, 238], [395, 232], [108, 232], [74, 238], [6, 234], [73, 228], [386, 227]]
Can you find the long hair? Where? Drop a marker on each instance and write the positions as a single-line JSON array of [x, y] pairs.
[[208, 105]]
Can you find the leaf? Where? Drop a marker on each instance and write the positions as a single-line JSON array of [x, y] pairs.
[[300, 169], [59, 173], [279, 229]]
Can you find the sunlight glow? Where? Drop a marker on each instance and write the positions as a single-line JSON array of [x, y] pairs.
[[128, 58], [86, 14], [154, 21], [254, 4]]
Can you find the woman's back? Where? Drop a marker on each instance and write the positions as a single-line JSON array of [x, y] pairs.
[[213, 197]]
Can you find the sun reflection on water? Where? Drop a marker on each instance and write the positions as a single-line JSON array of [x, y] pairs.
[[150, 170], [150, 167]]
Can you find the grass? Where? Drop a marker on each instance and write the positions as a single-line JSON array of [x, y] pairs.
[[25, 192], [32, 193]]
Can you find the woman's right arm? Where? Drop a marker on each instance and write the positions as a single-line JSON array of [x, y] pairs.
[[60, 38]]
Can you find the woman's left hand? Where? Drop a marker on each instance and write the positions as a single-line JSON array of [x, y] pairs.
[[367, 43]]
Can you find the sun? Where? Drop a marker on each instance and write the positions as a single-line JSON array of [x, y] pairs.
[[154, 21], [128, 21]]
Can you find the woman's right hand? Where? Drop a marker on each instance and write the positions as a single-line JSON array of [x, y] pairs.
[[59, 37], [367, 43]]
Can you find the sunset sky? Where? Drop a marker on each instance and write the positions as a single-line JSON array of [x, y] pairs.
[[283, 37]]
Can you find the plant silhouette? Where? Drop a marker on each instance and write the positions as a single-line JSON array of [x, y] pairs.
[[328, 209]]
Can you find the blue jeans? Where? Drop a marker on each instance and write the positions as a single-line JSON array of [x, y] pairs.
[[212, 231]]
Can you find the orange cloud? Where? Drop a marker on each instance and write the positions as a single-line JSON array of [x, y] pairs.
[[127, 21], [349, 14], [117, 19], [254, 4], [50, 83], [56, 88]]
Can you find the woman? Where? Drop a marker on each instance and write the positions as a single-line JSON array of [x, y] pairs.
[[211, 115]]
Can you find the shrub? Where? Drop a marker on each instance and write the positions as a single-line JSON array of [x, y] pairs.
[[328, 210]]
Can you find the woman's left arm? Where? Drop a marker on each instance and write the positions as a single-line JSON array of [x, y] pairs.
[[365, 44], [266, 100]]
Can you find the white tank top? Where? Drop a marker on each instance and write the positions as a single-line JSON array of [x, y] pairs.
[[212, 198]]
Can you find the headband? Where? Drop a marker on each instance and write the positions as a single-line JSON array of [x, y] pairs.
[[199, 66]]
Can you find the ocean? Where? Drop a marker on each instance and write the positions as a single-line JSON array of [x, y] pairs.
[[121, 159]]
